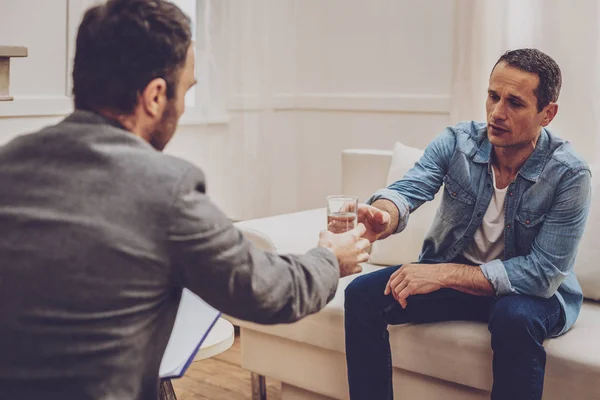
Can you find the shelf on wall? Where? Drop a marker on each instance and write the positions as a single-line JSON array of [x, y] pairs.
[[6, 52]]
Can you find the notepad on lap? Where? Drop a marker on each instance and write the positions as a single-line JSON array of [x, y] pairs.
[[195, 318]]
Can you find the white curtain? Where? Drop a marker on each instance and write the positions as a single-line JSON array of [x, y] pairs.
[[566, 30]]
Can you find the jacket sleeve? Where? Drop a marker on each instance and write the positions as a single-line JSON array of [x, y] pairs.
[[212, 259], [553, 252]]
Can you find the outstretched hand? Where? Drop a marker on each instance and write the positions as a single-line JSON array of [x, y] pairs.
[[376, 221]]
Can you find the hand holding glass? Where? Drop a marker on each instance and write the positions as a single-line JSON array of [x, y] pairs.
[[341, 213]]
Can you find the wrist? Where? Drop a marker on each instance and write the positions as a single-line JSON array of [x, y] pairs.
[[331, 250], [326, 243], [453, 274], [392, 210]]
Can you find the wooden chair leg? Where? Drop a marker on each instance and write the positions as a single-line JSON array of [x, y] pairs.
[[259, 387], [166, 390]]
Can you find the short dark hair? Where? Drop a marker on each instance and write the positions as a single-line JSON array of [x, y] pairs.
[[124, 44], [541, 64]]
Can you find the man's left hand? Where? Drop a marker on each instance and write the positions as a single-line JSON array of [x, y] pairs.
[[413, 279]]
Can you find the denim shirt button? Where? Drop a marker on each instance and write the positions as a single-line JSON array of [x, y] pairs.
[[509, 254], [510, 194], [508, 226], [527, 222]]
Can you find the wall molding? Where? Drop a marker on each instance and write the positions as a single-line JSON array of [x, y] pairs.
[[246, 102], [203, 120], [367, 102], [375, 102]]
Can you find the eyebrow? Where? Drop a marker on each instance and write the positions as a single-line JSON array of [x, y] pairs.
[[510, 96], [519, 99]]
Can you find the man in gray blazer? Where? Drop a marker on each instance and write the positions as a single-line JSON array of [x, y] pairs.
[[100, 231]]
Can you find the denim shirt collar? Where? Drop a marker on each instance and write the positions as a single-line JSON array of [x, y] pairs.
[[534, 165]]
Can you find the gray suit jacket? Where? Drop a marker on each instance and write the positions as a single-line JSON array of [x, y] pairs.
[[99, 233]]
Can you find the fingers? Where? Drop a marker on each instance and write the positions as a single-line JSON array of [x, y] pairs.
[[365, 212], [348, 207], [400, 287], [403, 296], [397, 280], [388, 286], [363, 257], [349, 269], [363, 208], [359, 230], [363, 244], [325, 239], [374, 217], [383, 217], [337, 226], [324, 234]]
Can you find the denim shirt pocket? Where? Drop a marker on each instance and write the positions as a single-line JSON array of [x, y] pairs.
[[527, 228], [457, 203]]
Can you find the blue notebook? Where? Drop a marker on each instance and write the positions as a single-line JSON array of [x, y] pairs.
[[195, 318]]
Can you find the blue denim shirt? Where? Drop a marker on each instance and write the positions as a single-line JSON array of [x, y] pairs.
[[546, 208]]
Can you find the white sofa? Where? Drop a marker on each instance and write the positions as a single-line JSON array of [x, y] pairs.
[[450, 360]]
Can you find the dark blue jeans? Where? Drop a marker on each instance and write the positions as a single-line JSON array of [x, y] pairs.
[[518, 324]]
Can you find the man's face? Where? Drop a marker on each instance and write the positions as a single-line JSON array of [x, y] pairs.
[[165, 129], [512, 115]]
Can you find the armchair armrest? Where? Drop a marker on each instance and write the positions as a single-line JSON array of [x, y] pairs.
[[364, 171], [294, 233]]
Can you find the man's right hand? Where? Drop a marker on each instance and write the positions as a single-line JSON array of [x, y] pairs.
[[376, 221], [349, 248]]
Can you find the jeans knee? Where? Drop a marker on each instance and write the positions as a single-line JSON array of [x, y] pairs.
[[355, 291], [512, 321], [364, 295]]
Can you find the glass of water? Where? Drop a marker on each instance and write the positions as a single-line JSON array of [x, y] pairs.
[[341, 213]]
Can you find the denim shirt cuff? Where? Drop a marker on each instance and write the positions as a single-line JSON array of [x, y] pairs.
[[495, 272], [398, 200]]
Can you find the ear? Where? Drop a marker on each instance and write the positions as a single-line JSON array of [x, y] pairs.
[[549, 112], [153, 98]]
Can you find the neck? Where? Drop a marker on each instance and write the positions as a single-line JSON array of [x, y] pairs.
[[130, 123], [511, 159], [508, 160]]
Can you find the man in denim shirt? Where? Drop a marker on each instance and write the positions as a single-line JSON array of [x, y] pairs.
[[503, 244]]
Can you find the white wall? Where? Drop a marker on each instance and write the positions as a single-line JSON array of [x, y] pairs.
[[303, 79], [39, 82], [367, 75], [310, 78]]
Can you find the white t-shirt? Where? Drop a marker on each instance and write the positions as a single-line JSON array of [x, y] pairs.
[[488, 241]]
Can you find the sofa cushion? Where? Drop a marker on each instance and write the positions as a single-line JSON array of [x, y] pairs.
[[586, 264], [405, 247], [458, 351]]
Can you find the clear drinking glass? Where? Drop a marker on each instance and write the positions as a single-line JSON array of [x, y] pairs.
[[341, 213]]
